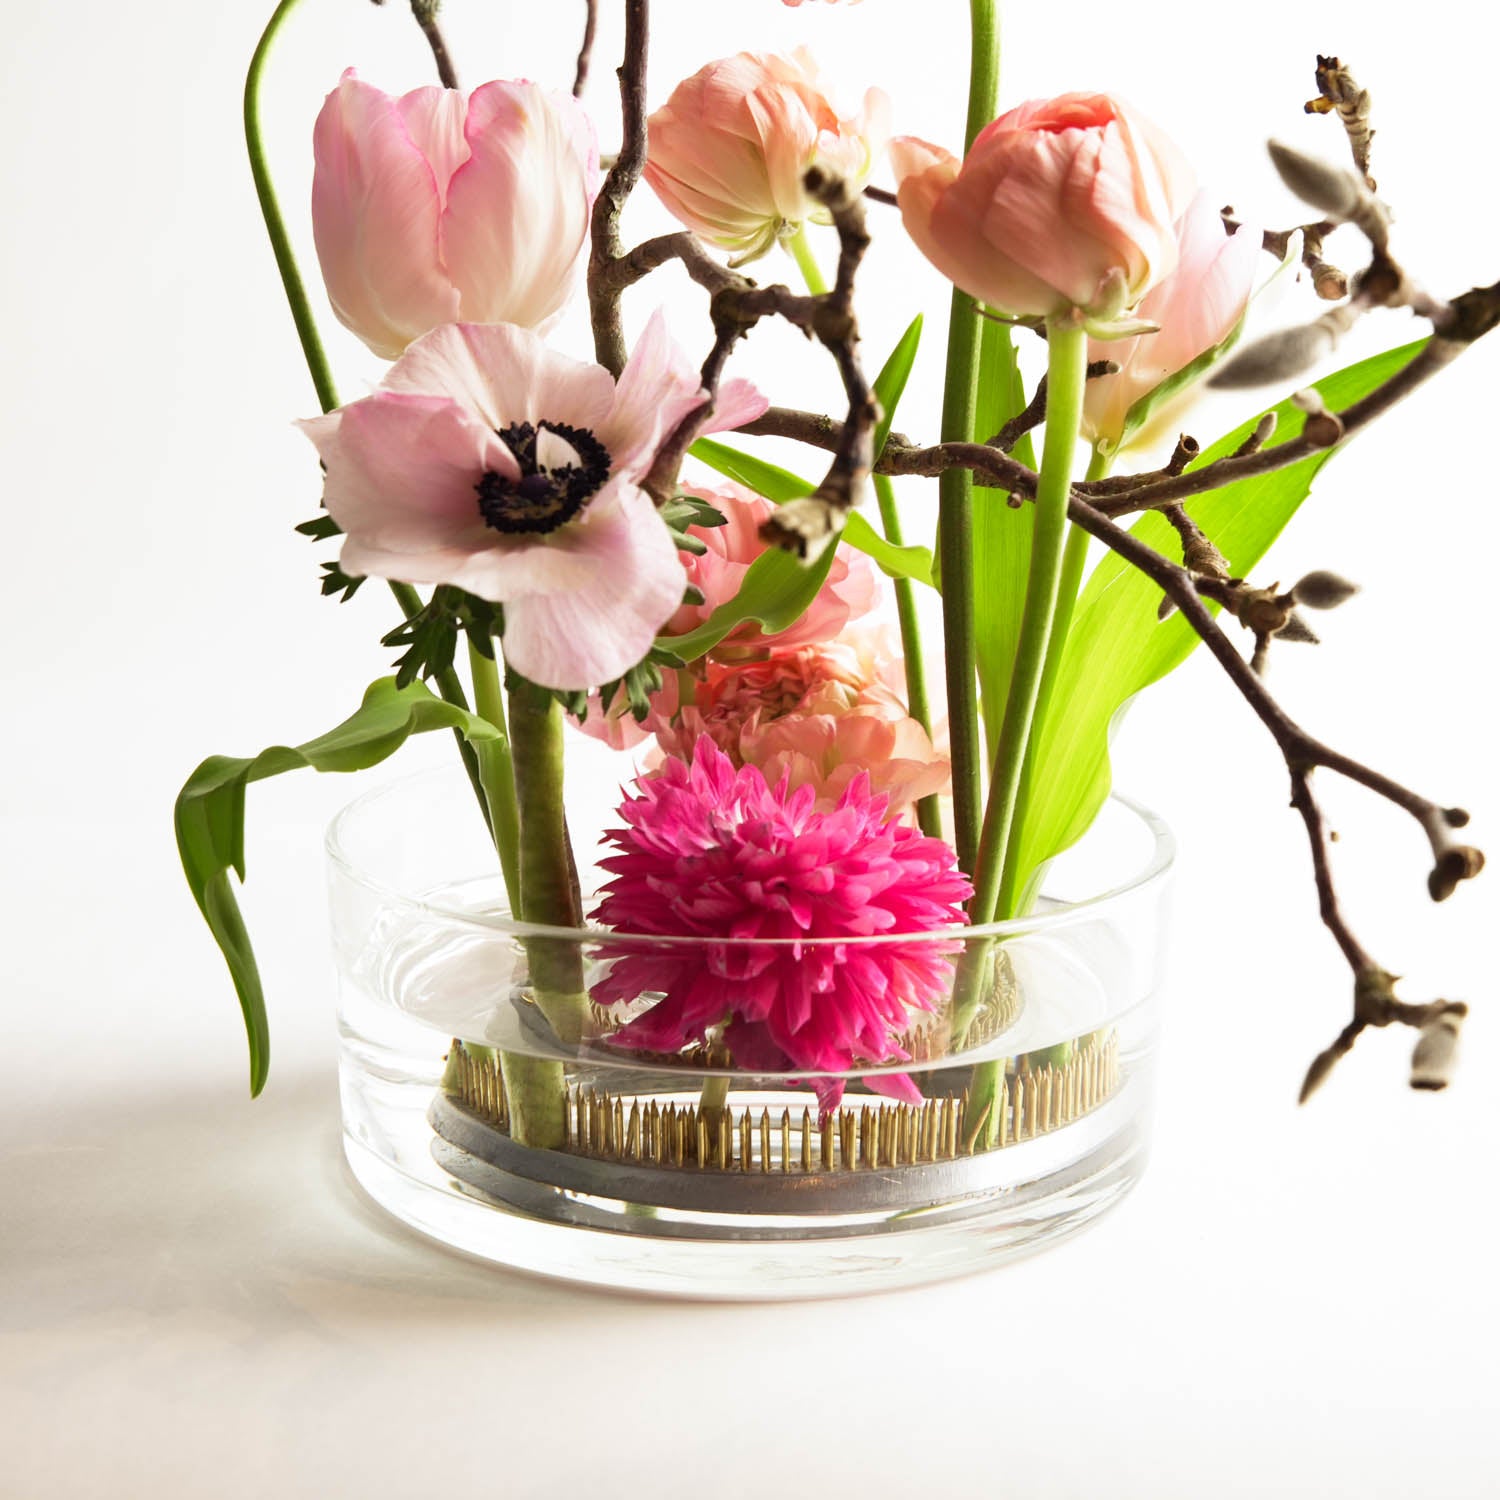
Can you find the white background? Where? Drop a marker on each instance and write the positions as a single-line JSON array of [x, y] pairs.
[[193, 1299]]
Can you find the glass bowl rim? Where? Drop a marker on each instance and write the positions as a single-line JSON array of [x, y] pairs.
[[1156, 865]]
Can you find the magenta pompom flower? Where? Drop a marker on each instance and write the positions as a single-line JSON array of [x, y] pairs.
[[713, 852]]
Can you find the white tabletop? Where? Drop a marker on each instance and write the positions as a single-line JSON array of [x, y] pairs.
[[194, 1298]]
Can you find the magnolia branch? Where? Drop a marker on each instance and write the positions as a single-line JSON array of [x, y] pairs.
[[607, 246], [1375, 1002], [586, 48], [425, 12]]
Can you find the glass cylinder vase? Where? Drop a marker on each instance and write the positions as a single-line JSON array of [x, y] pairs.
[[477, 1114]]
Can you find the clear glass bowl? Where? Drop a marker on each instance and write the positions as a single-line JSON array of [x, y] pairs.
[[545, 1146]]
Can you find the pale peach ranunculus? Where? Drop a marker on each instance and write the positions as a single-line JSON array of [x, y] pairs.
[[851, 589], [435, 208], [1066, 203], [728, 151], [1196, 308], [821, 715]]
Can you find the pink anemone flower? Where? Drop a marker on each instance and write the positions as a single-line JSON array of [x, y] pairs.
[[488, 462], [712, 852]]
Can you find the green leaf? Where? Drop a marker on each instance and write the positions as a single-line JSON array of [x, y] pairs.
[[210, 818], [775, 591], [890, 384], [778, 485], [895, 562], [1117, 646], [1002, 536]]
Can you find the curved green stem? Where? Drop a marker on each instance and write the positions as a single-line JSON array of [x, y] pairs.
[[270, 209], [1067, 363], [1013, 879], [918, 705], [955, 487], [807, 263], [498, 783]]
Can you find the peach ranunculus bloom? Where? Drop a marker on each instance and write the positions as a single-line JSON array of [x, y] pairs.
[[435, 208], [728, 151], [820, 715], [851, 589], [1066, 203], [1196, 308]]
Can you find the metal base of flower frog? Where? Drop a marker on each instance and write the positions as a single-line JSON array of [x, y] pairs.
[[760, 1154]]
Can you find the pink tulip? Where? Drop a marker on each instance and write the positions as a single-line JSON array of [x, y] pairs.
[[728, 151], [1197, 307], [1061, 204], [488, 462], [433, 208]]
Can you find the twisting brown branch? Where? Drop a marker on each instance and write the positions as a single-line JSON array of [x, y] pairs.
[[1375, 1003], [607, 246], [425, 13], [586, 48], [1339, 93]]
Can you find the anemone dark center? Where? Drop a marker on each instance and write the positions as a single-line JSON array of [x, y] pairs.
[[562, 469]]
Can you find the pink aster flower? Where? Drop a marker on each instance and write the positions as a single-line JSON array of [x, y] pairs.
[[819, 717], [486, 461], [712, 852]]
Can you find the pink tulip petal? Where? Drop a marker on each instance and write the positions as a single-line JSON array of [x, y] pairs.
[[434, 119], [523, 149], [375, 220], [628, 581]]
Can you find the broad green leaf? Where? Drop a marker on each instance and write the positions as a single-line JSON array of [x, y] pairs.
[[1002, 536], [896, 562], [776, 484], [210, 818], [776, 589], [1117, 646]]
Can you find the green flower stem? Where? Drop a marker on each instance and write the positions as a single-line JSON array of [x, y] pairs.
[[1067, 362], [499, 785], [1013, 879], [955, 487], [281, 245], [917, 702], [449, 687], [537, 1087], [807, 263]]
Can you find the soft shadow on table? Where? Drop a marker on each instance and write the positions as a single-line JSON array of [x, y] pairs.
[[195, 1201]]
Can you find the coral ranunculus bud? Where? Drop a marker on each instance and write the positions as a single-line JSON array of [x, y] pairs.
[[1195, 309], [435, 208], [728, 151], [1060, 204]]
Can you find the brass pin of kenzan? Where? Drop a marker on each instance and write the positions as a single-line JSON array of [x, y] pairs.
[[858, 1137]]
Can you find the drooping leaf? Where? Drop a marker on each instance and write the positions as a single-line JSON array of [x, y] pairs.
[[1002, 536], [210, 818], [1117, 645]]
